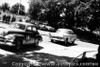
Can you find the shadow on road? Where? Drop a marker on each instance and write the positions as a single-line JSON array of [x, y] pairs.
[[23, 49], [63, 44], [86, 36], [43, 59]]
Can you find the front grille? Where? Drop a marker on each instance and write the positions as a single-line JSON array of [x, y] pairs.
[[2, 38]]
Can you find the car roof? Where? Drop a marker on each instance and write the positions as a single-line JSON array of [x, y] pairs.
[[64, 29], [24, 23]]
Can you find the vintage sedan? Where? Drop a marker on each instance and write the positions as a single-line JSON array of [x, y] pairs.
[[64, 35], [19, 34], [46, 28]]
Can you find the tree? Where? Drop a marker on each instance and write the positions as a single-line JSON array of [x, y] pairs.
[[89, 14], [50, 10], [13, 19], [53, 15], [6, 19], [35, 8], [18, 9], [77, 13], [95, 11], [5, 7]]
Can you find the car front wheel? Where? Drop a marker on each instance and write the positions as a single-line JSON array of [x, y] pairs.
[[18, 45], [73, 42], [36, 42], [52, 40], [66, 41]]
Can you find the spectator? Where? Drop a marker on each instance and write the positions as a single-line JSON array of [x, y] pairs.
[[8, 19], [13, 19]]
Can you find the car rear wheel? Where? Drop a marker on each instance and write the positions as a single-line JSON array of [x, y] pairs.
[[66, 41], [51, 40]]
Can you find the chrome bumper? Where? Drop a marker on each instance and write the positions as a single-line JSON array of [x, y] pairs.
[[2, 39], [6, 41], [57, 39]]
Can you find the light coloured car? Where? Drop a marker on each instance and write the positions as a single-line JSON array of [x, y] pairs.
[[64, 35]]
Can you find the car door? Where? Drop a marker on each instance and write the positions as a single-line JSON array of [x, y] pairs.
[[29, 35]]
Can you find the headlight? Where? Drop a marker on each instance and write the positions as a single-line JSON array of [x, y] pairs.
[[3, 32]]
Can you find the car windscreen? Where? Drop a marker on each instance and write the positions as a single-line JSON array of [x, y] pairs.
[[17, 26], [70, 32], [65, 31]]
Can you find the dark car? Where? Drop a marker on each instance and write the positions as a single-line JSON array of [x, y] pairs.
[[19, 34], [46, 28]]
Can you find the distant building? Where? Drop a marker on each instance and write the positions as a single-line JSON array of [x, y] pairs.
[[18, 17]]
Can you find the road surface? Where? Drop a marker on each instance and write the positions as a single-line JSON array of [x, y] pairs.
[[60, 49], [57, 49]]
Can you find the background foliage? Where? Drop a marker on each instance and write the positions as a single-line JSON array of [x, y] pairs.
[[67, 13]]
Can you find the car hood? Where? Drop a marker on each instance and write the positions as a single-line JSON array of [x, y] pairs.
[[15, 30], [58, 34], [11, 30]]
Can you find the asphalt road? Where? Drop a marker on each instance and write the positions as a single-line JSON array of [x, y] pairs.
[[58, 48], [47, 47]]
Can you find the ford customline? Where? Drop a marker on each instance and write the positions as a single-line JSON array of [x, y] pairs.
[[20, 33]]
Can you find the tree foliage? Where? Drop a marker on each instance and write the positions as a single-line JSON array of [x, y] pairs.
[[67, 13], [5, 7], [18, 9], [35, 8], [89, 13], [6, 19]]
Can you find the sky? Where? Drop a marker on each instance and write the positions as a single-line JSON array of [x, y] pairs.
[[12, 2]]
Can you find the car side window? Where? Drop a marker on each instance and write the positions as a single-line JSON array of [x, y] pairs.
[[29, 28], [34, 29], [70, 32], [20, 26]]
